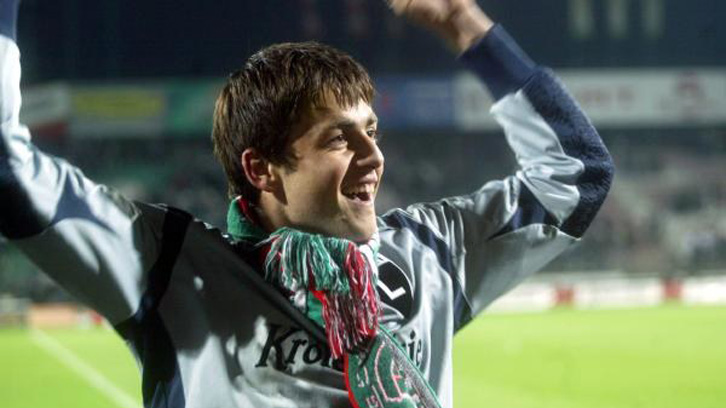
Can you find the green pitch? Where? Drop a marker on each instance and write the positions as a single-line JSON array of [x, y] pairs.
[[663, 357]]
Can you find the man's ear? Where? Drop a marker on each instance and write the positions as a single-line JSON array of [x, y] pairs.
[[259, 171]]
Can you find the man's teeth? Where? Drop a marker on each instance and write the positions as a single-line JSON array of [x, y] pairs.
[[366, 189]]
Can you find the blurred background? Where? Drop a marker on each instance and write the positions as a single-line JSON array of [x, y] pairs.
[[125, 90]]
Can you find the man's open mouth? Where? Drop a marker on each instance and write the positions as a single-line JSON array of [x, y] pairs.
[[360, 196], [362, 193]]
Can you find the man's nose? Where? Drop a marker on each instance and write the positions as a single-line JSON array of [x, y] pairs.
[[369, 154]]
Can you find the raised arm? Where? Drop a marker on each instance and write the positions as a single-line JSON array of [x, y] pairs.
[[497, 236], [91, 240]]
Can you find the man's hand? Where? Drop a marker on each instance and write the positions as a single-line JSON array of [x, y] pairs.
[[460, 22]]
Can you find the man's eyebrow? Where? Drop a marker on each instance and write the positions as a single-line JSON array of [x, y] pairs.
[[347, 123]]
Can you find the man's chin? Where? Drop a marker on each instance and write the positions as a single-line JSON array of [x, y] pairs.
[[363, 234], [359, 234]]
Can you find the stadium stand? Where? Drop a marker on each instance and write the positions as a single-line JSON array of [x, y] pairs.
[[666, 211]]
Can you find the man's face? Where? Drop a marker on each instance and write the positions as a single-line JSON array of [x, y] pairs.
[[331, 185]]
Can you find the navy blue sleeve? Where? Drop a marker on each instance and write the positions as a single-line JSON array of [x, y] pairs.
[[498, 61], [9, 18]]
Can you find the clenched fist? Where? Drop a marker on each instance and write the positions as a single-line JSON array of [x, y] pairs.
[[459, 22]]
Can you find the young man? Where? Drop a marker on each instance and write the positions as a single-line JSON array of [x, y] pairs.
[[310, 300]]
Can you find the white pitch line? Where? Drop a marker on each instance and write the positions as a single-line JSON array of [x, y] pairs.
[[88, 373]]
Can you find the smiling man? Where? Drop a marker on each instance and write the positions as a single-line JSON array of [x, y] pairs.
[[318, 168], [310, 299], [337, 171]]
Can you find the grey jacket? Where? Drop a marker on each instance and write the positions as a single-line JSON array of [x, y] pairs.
[[210, 332]]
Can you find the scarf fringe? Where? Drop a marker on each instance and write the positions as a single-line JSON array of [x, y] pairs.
[[301, 261]]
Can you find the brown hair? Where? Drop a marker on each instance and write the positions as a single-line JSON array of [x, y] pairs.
[[261, 102]]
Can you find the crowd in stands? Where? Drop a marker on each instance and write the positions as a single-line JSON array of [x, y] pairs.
[[665, 214]]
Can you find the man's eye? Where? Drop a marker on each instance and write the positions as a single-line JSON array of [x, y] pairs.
[[375, 134], [337, 139]]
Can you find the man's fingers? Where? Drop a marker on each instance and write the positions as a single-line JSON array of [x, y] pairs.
[[423, 10], [398, 6]]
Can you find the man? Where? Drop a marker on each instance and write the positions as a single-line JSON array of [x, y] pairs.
[[283, 311]]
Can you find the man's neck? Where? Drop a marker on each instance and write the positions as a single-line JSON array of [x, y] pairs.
[[268, 213]]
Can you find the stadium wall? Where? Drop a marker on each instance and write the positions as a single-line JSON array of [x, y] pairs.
[[613, 98], [19, 312], [610, 290]]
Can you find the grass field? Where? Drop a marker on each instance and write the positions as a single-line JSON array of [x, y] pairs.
[[664, 357]]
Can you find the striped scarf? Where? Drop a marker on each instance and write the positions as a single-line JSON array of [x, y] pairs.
[[332, 281]]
